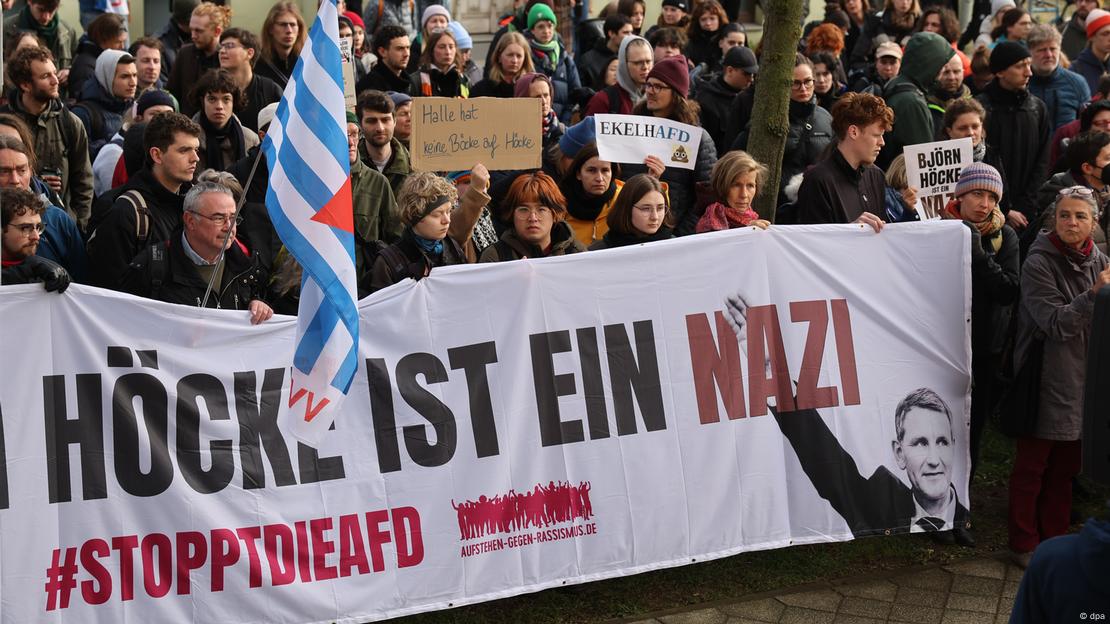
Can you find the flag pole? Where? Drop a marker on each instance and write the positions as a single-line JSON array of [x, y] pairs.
[[227, 237]]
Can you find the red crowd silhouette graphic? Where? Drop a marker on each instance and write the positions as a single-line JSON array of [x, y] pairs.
[[541, 507]]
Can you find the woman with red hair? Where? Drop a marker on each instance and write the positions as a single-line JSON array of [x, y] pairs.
[[536, 210]]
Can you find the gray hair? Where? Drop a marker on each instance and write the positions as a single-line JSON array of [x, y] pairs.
[[223, 178], [192, 198], [1042, 33]]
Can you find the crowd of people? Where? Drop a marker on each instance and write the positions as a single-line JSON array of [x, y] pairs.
[[124, 159]]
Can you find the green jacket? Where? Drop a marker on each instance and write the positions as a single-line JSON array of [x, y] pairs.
[[398, 168], [375, 208], [61, 144], [65, 43], [924, 56]]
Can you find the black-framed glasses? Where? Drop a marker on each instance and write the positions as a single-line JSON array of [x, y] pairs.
[[802, 84], [26, 228], [218, 219], [655, 87]]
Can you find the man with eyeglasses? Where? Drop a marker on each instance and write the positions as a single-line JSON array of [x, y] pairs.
[[239, 49], [21, 212], [203, 251], [1018, 127], [148, 208], [634, 62], [925, 54]]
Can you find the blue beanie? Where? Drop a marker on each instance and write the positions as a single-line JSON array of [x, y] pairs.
[[462, 38], [576, 137]]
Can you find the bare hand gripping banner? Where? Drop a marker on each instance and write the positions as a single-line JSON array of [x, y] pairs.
[[511, 427]]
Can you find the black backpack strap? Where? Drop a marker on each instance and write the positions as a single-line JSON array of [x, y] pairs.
[[142, 215], [396, 262]]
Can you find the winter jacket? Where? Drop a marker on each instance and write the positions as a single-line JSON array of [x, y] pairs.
[[190, 65], [564, 77], [1046, 195], [1074, 37], [703, 47], [417, 263], [715, 97], [602, 102], [403, 13], [64, 46], [994, 289], [250, 140], [375, 209], [512, 247], [489, 88], [612, 239], [1018, 127], [594, 62], [62, 243], [277, 69], [517, 23], [810, 133], [398, 167], [62, 144], [738, 115], [172, 38], [381, 78], [1056, 306], [588, 231], [926, 54], [1068, 575], [164, 272], [84, 63], [260, 92], [833, 192], [116, 240], [101, 113], [1063, 92], [877, 29], [1090, 68], [428, 81], [681, 184], [938, 103]]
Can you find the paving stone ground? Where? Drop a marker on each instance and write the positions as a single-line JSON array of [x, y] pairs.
[[975, 591]]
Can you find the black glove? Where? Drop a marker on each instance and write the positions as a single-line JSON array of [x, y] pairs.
[[35, 269], [978, 254]]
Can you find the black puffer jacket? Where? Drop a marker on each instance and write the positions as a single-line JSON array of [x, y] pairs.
[[810, 133], [594, 62], [681, 184], [1019, 128], [715, 98], [413, 262], [164, 273]]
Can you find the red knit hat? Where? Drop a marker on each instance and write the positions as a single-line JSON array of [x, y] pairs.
[[1096, 19], [674, 72], [355, 19]]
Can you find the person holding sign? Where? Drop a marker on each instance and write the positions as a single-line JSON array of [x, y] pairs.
[[994, 286], [440, 73], [537, 211], [668, 85], [736, 179], [641, 214], [966, 118]]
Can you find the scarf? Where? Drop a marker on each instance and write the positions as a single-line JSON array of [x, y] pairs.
[[719, 216], [990, 229], [550, 124], [1076, 256], [614, 239], [11, 263], [549, 49], [49, 33], [979, 152], [428, 246], [214, 141], [583, 206]]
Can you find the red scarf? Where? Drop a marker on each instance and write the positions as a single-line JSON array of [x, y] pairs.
[[719, 216], [1078, 256], [10, 263]]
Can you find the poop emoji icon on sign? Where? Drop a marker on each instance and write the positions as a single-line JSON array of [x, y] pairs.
[[679, 154]]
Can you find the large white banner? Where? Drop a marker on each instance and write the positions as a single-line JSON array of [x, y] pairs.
[[512, 427]]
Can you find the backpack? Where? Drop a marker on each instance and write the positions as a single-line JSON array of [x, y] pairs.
[[142, 215], [367, 253]]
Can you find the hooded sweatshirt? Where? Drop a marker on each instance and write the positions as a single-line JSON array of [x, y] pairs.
[[1069, 574], [99, 109], [626, 88], [924, 56]]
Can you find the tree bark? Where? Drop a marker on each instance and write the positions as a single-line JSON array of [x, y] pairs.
[[782, 26]]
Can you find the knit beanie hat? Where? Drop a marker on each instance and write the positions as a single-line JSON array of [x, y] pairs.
[[432, 11], [524, 83], [155, 97], [998, 5], [399, 99], [541, 12], [1007, 53], [1097, 19], [979, 177], [462, 38], [355, 19], [105, 71], [678, 4], [673, 71], [352, 118], [577, 136]]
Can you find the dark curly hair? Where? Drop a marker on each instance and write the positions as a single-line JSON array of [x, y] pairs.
[[217, 81]]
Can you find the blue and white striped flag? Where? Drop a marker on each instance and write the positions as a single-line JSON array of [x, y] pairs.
[[309, 202]]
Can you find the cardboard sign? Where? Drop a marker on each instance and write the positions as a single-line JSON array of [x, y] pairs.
[[348, 73], [934, 169], [632, 138], [450, 134]]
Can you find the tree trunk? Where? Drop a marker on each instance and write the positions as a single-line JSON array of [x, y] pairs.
[[782, 26]]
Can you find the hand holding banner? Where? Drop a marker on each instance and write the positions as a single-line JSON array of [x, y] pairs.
[[632, 138]]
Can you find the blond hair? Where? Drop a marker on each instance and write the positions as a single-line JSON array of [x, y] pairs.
[[419, 189], [506, 40], [733, 165], [220, 15], [896, 174]]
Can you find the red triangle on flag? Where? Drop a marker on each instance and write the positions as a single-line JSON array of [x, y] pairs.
[[339, 211]]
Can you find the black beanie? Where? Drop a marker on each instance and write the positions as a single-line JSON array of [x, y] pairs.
[[1005, 54]]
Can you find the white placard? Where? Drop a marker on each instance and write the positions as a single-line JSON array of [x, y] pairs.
[[933, 169], [632, 138]]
